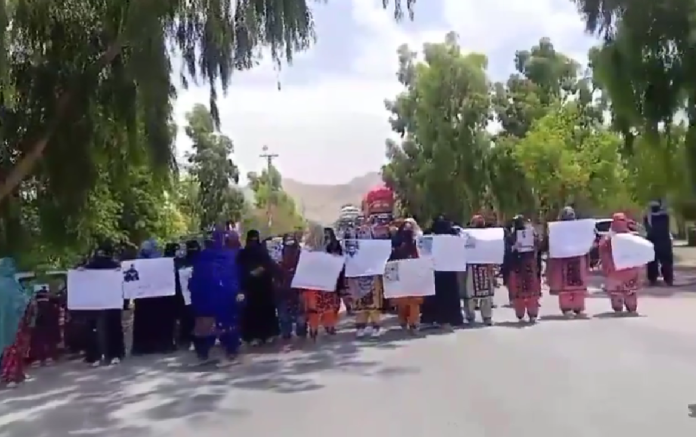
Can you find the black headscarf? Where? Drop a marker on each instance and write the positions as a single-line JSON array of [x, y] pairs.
[[193, 248], [103, 257], [442, 226]]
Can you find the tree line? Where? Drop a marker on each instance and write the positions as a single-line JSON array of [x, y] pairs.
[[86, 126], [554, 133]]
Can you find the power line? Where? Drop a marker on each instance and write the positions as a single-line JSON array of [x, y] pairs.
[[269, 157]]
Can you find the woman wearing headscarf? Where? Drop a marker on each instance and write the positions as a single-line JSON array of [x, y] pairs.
[[567, 277], [216, 298], [290, 310], [319, 305], [479, 286], [46, 332], [524, 284], [333, 246], [105, 341], [259, 318], [186, 318], [409, 307], [367, 292], [444, 308], [621, 285], [16, 319], [154, 318]]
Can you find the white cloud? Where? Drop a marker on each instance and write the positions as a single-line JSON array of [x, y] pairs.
[[334, 129]]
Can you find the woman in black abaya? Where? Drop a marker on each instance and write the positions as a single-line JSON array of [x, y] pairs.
[[443, 309], [259, 319], [154, 318]]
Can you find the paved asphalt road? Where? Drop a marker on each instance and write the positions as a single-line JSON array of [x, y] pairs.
[[600, 377]]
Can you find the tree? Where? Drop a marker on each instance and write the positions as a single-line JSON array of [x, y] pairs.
[[645, 67], [215, 173], [270, 197], [75, 64], [564, 162], [441, 116]]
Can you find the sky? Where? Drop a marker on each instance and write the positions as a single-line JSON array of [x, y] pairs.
[[327, 123]]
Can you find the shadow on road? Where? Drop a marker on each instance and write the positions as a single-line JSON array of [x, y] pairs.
[[134, 398]]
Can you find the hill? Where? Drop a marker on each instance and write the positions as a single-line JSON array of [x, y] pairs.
[[321, 203]]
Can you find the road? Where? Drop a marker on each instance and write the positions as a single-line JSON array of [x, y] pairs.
[[598, 377]]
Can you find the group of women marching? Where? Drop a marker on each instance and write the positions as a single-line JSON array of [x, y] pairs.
[[240, 295]]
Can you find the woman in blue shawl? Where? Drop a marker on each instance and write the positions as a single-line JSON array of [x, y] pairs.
[[154, 318], [15, 324], [216, 298]]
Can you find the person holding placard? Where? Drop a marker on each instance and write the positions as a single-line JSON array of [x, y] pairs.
[[291, 314], [444, 309], [154, 318], [621, 285], [367, 293], [408, 308], [567, 277], [105, 342], [319, 305], [524, 283], [259, 316], [215, 299], [186, 317], [333, 246], [16, 314], [479, 287]]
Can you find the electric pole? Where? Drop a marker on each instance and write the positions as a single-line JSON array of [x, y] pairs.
[[269, 157]]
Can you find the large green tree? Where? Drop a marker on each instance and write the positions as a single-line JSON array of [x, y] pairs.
[[216, 175], [442, 115], [270, 198]]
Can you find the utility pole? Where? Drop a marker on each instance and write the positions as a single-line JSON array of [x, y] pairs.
[[269, 157]]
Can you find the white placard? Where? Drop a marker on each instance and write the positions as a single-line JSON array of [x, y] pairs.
[[366, 257], [409, 278], [317, 271], [90, 289], [629, 250], [449, 253], [525, 239], [484, 245], [148, 277], [569, 238], [184, 278]]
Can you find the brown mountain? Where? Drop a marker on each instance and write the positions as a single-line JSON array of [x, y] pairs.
[[322, 203]]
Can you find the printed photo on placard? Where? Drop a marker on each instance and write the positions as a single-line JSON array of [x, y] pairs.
[[425, 245], [352, 246], [391, 272]]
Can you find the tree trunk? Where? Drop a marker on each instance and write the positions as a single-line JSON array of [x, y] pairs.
[[28, 162]]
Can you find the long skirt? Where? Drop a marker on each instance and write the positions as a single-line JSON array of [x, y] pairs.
[[525, 286], [12, 362], [408, 310], [259, 318], [154, 325], [445, 307], [320, 309], [367, 295]]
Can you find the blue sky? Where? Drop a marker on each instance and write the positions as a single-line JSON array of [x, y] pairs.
[[328, 123]]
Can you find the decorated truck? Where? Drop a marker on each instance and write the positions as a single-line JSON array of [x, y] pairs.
[[378, 208]]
